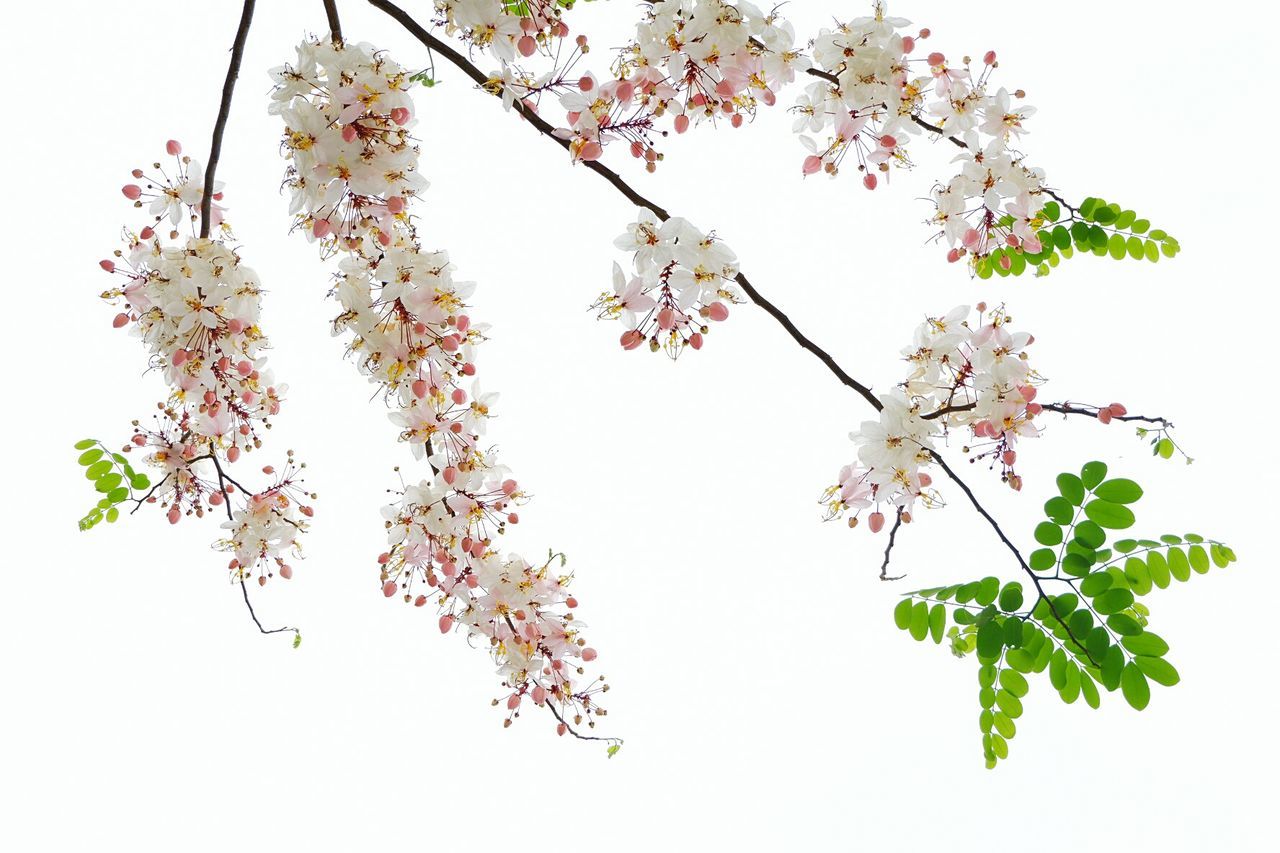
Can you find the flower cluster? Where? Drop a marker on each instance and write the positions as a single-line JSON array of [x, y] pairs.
[[352, 162], [410, 334], [196, 307], [504, 28], [966, 372], [693, 61], [869, 104], [683, 280]]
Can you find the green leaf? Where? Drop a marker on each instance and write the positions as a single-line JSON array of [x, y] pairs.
[[919, 626], [1014, 682], [1071, 488], [1011, 597], [1096, 583], [1059, 510], [988, 589], [1179, 566], [1048, 533], [1110, 515], [990, 640], [85, 443], [1117, 247], [1092, 474], [107, 482], [90, 456], [937, 621], [613, 748], [1119, 491], [1042, 559], [1133, 683], [902, 614], [1112, 601], [1090, 534], [1165, 448], [1146, 643], [1158, 670]]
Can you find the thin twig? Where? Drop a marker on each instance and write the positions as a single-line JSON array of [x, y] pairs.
[[224, 110], [893, 533], [571, 731]]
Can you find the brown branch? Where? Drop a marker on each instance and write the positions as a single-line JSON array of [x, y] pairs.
[[224, 110], [893, 533], [1092, 412]]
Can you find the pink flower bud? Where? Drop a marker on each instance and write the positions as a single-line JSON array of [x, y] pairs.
[[954, 255], [869, 180], [322, 228], [876, 521], [132, 191], [509, 487], [463, 323], [682, 123], [120, 320], [146, 233], [459, 396], [449, 474], [513, 518], [936, 58], [446, 623], [419, 388], [389, 588], [1118, 410], [571, 602], [419, 601], [233, 453], [695, 340], [450, 343], [527, 45], [286, 572], [591, 151], [174, 147], [350, 133], [632, 339], [561, 728], [539, 695], [718, 311], [244, 368], [1104, 416], [1009, 457], [395, 204], [666, 318], [625, 90], [888, 141], [174, 515], [586, 84], [513, 702], [109, 266], [990, 57], [400, 115], [588, 654], [908, 44]]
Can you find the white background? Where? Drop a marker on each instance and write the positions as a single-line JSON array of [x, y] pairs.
[[765, 696]]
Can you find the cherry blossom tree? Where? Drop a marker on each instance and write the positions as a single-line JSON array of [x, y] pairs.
[[871, 96]]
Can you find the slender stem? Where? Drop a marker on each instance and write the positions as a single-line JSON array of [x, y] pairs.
[[223, 479], [888, 549], [571, 730], [995, 525], [335, 25], [224, 110]]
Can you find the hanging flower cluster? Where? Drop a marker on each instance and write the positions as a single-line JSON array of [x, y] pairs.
[[409, 333], [968, 371], [870, 104], [683, 280], [197, 309]]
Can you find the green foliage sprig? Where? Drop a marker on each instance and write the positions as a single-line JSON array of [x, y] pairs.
[[112, 477], [1093, 634], [1095, 227]]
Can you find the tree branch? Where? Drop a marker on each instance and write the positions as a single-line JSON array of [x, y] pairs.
[[542, 126], [224, 110]]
